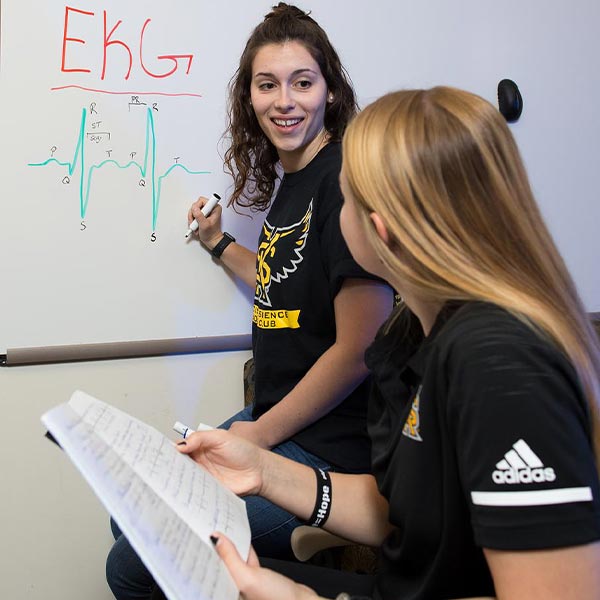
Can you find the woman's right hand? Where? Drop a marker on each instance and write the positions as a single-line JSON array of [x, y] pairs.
[[234, 461], [209, 228]]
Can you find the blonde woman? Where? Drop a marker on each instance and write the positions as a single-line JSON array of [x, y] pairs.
[[485, 406]]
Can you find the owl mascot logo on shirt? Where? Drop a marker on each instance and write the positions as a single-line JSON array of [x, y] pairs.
[[280, 253]]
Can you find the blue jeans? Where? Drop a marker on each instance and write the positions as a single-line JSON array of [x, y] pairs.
[[270, 525]]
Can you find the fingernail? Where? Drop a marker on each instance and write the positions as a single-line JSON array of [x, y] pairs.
[[182, 443], [214, 539]]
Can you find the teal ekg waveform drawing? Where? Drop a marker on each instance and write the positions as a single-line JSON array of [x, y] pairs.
[[147, 166]]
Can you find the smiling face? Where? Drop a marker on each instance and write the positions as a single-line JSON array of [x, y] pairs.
[[289, 95]]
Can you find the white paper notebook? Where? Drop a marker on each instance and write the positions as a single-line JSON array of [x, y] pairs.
[[165, 504]]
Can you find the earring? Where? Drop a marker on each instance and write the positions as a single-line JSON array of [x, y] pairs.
[[330, 98]]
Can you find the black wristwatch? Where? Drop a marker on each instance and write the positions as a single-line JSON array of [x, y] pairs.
[[223, 243]]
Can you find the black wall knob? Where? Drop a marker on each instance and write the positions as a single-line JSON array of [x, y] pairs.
[[510, 101]]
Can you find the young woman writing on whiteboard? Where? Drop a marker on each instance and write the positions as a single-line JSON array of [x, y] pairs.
[[485, 411], [315, 309]]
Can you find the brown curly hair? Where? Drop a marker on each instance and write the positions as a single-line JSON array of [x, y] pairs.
[[251, 158]]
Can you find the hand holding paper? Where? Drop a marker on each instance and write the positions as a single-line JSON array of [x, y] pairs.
[[166, 505]]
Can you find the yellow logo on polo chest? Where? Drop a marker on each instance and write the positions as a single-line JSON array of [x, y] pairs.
[[412, 424]]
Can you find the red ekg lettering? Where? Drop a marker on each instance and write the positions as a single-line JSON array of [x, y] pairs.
[[109, 40]]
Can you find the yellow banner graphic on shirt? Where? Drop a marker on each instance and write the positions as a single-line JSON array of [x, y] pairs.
[[275, 319]]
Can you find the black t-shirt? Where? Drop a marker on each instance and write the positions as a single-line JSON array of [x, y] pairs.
[[302, 262], [481, 438]]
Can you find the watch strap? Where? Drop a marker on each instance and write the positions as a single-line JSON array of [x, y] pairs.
[[222, 244]]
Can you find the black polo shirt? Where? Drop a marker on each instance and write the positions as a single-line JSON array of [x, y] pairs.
[[480, 438]]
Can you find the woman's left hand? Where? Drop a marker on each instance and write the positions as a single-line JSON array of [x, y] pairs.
[[256, 582]]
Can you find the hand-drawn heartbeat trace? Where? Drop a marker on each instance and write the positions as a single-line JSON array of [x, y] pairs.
[[146, 167]]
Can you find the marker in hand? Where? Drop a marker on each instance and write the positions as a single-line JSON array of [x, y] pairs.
[[184, 431], [205, 210]]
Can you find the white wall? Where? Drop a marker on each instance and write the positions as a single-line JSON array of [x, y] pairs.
[[550, 48], [55, 533]]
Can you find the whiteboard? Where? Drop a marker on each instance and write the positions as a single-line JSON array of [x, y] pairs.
[[104, 151]]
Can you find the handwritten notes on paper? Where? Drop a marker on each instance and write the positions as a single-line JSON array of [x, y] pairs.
[[165, 504]]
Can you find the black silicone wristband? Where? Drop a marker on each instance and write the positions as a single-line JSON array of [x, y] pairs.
[[222, 244], [324, 496]]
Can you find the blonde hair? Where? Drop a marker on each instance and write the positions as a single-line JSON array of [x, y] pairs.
[[442, 170]]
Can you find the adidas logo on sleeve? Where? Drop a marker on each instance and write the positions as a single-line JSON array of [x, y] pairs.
[[522, 465]]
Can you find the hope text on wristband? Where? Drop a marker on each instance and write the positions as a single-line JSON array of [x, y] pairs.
[[323, 503]]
